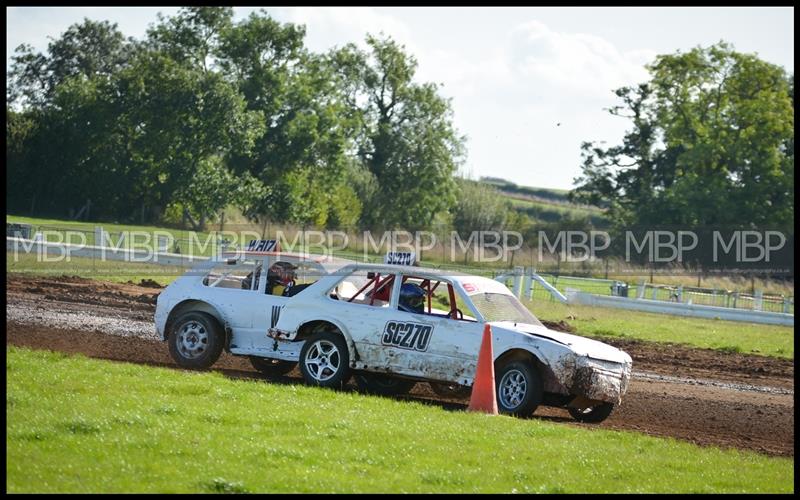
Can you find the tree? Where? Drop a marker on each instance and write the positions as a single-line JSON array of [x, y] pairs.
[[303, 152], [191, 36], [480, 207], [406, 140], [710, 144], [88, 49], [178, 123]]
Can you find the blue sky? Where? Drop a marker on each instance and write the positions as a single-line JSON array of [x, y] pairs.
[[513, 73]]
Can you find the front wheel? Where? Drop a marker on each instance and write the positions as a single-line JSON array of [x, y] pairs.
[[383, 385], [593, 414], [195, 340], [325, 361], [272, 367], [519, 389]]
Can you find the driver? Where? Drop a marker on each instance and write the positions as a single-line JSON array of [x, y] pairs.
[[280, 277], [412, 298]]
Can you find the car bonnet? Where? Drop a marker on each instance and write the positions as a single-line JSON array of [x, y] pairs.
[[581, 345]]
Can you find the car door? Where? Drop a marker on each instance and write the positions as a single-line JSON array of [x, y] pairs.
[[364, 307], [250, 312], [448, 352]]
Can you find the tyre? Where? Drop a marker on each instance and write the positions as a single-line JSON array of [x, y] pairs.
[[272, 367], [519, 389], [325, 361], [383, 385], [447, 390], [592, 415], [196, 340]]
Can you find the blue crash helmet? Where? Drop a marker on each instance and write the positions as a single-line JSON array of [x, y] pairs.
[[412, 298]]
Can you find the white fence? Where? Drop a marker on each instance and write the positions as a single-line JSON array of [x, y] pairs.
[[119, 253], [680, 309], [524, 282]]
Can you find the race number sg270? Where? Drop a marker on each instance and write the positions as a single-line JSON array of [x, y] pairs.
[[407, 335]]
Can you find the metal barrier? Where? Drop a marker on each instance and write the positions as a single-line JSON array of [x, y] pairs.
[[524, 280]]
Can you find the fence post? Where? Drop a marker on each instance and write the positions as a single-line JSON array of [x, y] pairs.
[[527, 284], [98, 236], [680, 293], [735, 298], [518, 272], [785, 304], [758, 300], [640, 291], [655, 290]]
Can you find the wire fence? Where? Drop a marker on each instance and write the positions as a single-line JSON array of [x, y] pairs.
[[208, 244]]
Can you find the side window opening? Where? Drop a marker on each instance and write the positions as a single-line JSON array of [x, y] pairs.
[[232, 274], [372, 289], [431, 296], [287, 279]]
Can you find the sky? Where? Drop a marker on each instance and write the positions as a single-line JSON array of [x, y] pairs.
[[527, 85]]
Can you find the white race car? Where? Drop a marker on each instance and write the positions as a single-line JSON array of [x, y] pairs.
[[389, 325]]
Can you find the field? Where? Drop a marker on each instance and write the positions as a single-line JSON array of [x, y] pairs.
[[726, 336], [81, 425]]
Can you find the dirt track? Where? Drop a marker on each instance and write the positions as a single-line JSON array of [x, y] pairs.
[[698, 395]]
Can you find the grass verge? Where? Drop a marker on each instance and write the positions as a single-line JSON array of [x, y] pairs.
[[82, 425], [727, 336]]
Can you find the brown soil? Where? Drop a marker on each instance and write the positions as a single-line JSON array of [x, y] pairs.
[[706, 414]]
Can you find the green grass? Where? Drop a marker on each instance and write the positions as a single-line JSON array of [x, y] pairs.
[[554, 212], [82, 425], [727, 336]]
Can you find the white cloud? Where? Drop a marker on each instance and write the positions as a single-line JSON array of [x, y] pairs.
[[576, 61], [335, 26]]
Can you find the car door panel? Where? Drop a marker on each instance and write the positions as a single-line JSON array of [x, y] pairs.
[[451, 353]]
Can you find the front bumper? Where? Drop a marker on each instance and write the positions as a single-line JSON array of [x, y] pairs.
[[600, 380]]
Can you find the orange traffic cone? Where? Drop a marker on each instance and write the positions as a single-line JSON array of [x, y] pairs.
[[484, 396]]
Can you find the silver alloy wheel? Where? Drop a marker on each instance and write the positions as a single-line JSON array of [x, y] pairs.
[[322, 360], [513, 388], [192, 339]]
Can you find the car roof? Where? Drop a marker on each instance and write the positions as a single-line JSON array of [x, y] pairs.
[[289, 256], [479, 283]]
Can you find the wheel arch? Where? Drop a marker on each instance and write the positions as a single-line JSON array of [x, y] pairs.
[[189, 305], [518, 353], [307, 328]]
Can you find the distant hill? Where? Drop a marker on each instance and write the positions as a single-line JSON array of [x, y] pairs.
[[510, 187], [548, 205]]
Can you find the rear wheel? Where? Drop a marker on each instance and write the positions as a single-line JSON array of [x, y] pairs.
[[593, 414], [196, 340], [325, 361], [519, 389], [384, 385], [272, 367]]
